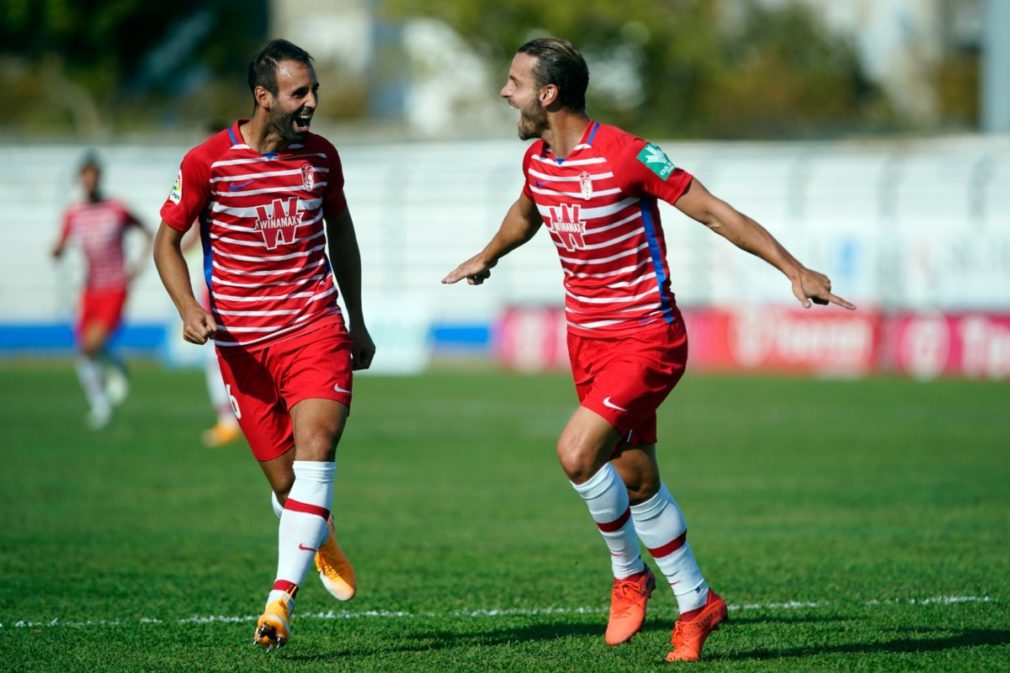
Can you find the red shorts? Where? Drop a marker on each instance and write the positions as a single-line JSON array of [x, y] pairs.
[[265, 383], [625, 379], [103, 307]]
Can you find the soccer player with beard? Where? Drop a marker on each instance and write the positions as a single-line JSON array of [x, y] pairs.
[[268, 196], [99, 225], [595, 188]]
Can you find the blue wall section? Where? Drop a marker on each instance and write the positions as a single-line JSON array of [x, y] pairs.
[[149, 338], [58, 338]]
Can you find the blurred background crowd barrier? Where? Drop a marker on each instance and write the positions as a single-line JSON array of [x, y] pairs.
[[917, 233]]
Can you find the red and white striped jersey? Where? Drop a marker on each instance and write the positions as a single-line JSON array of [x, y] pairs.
[[261, 223], [99, 228], [599, 204]]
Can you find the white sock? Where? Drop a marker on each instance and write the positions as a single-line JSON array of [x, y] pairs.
[[607, 498], [303, 524], [89, 372], [217, 392], [276, 504], [661, 526]]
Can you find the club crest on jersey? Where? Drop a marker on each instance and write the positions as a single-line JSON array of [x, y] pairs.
[[279, 222], [656, 160], [586, 185], [567, 224], [308, 176]]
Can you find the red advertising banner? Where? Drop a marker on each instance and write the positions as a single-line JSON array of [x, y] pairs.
[[824, 342], [972, 345]]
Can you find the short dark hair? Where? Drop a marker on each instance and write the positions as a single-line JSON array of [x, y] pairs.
[[90, 160], [561, 64], [263, 67]]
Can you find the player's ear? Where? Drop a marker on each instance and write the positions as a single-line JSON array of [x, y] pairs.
[[263, 96], [548, 94]]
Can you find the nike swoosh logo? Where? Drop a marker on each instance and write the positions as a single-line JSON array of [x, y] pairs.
[[338, 389], [607, 403], [235, 186], [304, 548]]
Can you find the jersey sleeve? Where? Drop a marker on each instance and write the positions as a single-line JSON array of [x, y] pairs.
[[527, 160], [334, 200], [645, 169], [127, 217], [68, 215], [190, 193]]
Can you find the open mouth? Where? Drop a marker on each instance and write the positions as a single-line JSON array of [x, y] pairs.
[[302, 122]]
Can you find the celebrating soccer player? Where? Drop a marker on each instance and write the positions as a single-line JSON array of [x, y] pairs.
[[261, 191], [99, 225], [595, 188]]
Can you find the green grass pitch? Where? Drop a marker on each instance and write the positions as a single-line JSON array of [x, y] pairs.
[[851, 526]]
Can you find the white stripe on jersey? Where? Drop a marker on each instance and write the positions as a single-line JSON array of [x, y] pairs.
[[641, 322], [263, 159], [265, 297], [573, 195], [613, 300], [593, 213], [270, 258], [253, 212], [256, 176], [572, 162], [630, 283], [258, 244], [570, 178], [604, 260], [613, 225], [615, 272], [268, 283], [312, 298], [266, 190], [257, 313], [271, 272]]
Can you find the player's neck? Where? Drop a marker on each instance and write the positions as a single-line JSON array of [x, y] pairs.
[[565, 131], [258, 136]]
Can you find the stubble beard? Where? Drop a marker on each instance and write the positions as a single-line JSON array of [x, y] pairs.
[[532, 122]]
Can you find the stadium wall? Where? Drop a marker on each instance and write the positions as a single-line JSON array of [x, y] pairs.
[[904, 228]]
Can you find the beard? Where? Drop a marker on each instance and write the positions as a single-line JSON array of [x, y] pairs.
[[532, 121], [284, 124]]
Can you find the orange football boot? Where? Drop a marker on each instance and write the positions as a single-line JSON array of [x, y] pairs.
[[335, 571], [689, 637], [272, 630], [627, 605]]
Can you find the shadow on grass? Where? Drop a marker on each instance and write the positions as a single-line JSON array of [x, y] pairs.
[[444, 639], [429, 641], [957, 640]]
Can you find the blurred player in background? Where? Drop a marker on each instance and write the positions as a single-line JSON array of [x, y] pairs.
[[595, 188], [225, 429], [268, 196], [99, 225]]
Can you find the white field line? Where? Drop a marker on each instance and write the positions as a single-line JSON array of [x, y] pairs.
[[472, 613]]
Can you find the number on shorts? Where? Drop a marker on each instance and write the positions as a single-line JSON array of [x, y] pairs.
[[234, 402]]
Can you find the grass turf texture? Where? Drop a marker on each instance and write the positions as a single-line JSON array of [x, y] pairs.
[[450, 502]]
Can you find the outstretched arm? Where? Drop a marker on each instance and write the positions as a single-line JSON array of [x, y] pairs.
[[520, 224], [745, 233], [346, 259], [197, 324], [138, 266]]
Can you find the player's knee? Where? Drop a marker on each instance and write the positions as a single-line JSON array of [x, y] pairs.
[[316, 444], [576, 460], [92, 342], [641, 487]]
